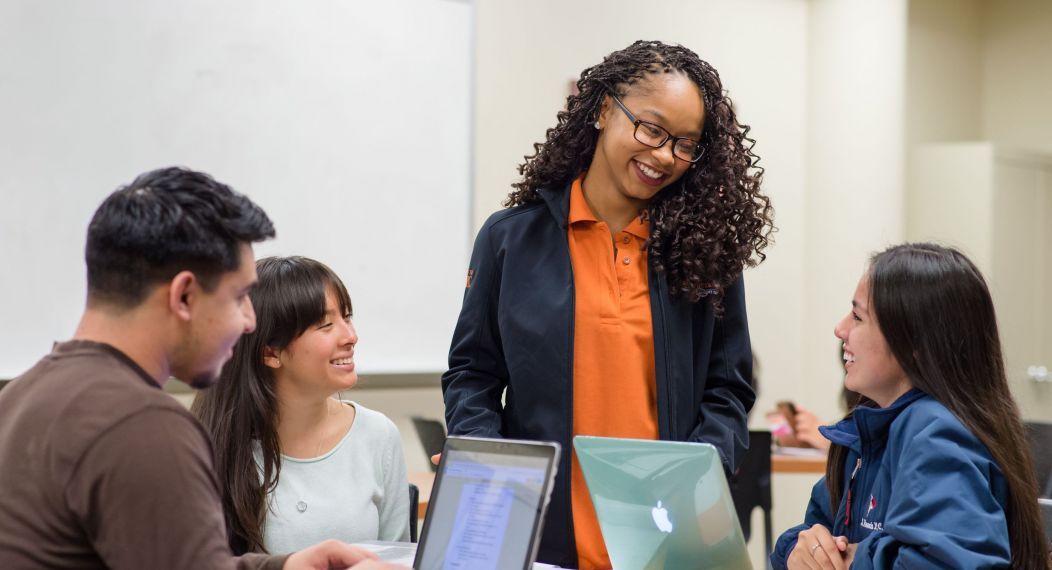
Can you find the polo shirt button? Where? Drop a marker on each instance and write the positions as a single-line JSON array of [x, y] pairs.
[[626, 239], [626, 260]]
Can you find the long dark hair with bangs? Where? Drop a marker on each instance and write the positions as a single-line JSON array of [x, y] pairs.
[[934, 309], [242, 407], [712, 222]]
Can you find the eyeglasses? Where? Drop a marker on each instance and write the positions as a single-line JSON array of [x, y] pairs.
[[654, 136]]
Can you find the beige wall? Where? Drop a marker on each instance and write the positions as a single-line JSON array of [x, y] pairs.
[[980, 71], [855, 178], [944, 71], [1017, 68]]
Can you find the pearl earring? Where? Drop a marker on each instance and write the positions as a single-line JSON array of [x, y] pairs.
[[597, 125]]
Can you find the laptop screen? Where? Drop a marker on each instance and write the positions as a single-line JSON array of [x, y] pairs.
[[484, 510]]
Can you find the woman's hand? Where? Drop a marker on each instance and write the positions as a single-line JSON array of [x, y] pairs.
[[436, 458], [817, 548], [805, 426]]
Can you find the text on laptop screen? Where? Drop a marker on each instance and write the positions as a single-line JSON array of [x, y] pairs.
[[484, 515]]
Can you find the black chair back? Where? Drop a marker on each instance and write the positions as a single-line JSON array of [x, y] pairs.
[[751, 486], [414, 512], [432, 434], [1039, 434], [1046, 515]]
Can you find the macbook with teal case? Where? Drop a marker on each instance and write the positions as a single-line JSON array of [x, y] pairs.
[[662, 504]]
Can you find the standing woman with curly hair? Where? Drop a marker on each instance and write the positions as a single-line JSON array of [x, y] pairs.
[[608, 298]]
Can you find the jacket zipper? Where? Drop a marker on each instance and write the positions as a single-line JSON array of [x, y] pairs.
[[569, 409], [570, 339], [850, 488], [668, 371]]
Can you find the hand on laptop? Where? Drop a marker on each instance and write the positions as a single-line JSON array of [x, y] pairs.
[[335, 554], [435, 459]]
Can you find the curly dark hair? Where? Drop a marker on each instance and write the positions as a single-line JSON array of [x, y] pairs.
[[707, 226]]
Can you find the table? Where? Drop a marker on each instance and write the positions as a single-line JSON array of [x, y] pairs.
[[780, 463]]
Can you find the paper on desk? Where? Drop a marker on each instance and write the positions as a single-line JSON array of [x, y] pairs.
[[799, 451], [405, 553]]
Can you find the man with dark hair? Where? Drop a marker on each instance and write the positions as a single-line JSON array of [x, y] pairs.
[[99, 468]]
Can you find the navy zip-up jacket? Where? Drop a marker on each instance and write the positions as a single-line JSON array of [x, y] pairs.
[[516, 333], [926, 493]]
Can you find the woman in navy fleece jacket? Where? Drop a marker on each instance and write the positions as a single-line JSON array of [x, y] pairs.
[[931, 470]]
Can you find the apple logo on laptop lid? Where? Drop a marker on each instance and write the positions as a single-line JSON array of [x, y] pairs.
[[661, 520]]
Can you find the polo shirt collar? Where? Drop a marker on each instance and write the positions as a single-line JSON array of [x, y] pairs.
[[638, 227], [580, 211]]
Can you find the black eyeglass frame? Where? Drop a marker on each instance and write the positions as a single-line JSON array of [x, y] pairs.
[[668, 136]]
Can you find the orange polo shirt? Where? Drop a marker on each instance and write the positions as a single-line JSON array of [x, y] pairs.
[[614, 390]]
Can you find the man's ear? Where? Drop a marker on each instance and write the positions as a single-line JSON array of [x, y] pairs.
[[270, 358], [182, 293]]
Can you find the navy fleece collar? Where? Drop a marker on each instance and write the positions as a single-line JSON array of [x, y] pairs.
[[874, 422]]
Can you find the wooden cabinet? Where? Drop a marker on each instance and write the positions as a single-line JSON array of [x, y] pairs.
[[995, 204]]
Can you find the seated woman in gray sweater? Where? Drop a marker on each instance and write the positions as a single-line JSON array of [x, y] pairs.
[[296, 464]]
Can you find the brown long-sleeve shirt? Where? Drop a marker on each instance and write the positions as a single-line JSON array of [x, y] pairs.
[[99, 468]]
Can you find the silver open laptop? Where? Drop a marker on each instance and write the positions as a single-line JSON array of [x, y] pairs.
[[662, 504], [486, 507]]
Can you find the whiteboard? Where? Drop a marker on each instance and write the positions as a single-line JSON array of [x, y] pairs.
[[348, 121]]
